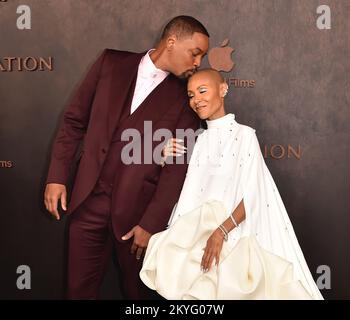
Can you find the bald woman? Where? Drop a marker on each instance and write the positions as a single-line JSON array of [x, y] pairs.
[[229, 236]]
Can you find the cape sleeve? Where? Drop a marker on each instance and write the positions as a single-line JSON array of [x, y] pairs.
[[266, 216]]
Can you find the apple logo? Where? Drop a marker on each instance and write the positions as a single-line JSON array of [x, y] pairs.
[[220, 57]]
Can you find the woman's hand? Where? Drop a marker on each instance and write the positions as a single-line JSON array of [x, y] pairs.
[[212, 250], [172, 148]]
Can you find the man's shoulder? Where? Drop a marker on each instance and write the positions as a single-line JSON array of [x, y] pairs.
[[120, 54], [112, 58]]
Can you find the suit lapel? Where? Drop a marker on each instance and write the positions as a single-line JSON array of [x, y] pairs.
[[123, 75], [154, 107]]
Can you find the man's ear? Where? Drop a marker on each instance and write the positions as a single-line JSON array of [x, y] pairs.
[[170, 42]]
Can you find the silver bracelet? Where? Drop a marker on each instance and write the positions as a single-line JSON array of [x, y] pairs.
[[224, 231], [233, 220]]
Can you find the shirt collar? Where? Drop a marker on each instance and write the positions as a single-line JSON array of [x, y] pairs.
[[222, 122], [147, 69]]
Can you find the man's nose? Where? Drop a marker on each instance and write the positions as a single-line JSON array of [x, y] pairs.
[[197, 61]]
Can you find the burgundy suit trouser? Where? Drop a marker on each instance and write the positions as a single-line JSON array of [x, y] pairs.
[[90, 248]]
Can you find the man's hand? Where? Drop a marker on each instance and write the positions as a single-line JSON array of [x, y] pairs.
[[212, 250], [54, 192], [141, 238]]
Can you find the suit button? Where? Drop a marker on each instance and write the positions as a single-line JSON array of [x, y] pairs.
[[104, 150]]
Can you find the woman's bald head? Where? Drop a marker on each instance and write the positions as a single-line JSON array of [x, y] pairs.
[[206, 91], [211, 74]]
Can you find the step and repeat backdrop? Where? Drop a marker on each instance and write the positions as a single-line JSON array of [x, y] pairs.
[[287, 66]]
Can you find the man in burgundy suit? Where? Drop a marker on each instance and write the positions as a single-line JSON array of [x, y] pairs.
[[113, 205]]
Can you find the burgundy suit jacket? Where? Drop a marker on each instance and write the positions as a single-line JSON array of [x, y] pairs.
[[146, 193]]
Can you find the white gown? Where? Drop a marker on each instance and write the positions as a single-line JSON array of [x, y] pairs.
[[262, 258]]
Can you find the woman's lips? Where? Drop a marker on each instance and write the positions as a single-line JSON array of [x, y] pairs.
[[200, 107]]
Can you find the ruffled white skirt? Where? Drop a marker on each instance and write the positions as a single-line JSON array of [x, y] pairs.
[[246, 271]]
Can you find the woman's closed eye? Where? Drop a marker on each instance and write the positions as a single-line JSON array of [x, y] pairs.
[[200, 90]]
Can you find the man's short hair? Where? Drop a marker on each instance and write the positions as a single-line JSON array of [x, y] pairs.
[[183, 26]]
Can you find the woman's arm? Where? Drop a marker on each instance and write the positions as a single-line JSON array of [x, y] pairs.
[[238, 215], [214, 244]]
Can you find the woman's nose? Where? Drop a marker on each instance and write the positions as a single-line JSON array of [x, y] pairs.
[[196, 99]]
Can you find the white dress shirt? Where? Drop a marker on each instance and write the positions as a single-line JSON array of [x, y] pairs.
[[148, 78]]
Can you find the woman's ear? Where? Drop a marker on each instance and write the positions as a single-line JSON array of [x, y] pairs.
[[223, 89]]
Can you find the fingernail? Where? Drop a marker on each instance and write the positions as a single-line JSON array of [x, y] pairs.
[[123, 238]]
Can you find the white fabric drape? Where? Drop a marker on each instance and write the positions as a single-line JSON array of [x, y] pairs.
[[261, 260]]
